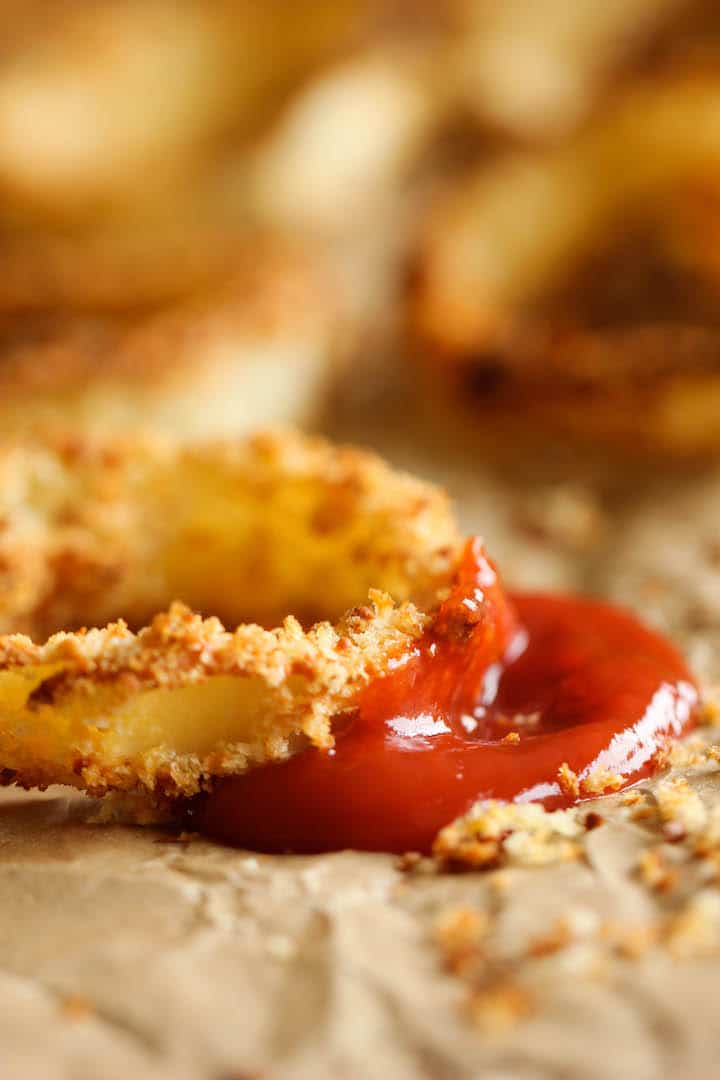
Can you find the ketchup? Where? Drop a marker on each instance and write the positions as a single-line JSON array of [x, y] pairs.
[[499, 693]]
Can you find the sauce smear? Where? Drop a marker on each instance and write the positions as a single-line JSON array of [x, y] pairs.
[[499, 693]]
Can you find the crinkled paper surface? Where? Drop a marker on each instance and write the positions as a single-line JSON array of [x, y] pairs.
[[132, 952]]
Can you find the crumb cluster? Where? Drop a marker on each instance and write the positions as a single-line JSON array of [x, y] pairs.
[[679, 866]]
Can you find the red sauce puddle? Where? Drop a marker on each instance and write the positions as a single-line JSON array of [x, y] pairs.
[[579, 681]]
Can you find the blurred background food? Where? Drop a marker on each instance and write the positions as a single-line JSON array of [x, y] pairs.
[[473, 233], [261, 346], [480, 236]]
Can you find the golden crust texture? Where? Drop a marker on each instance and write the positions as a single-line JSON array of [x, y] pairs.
[[268, 530]]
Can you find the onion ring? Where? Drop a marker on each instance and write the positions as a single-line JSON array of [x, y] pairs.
[[261, 349], [278, 524], [575, 289], [76, 136]]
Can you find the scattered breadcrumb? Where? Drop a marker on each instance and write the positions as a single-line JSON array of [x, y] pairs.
[[695, 929], [686, 923], [680, 806], [500, 973], [557, 938], [77, 1007], [629, 941], [655, 872], [690, 753], [569, 781], [706, 842], [522, 834], [643, 807], [500, 1006], [710, 712], [601, 781], [460, 934], [499, 882]]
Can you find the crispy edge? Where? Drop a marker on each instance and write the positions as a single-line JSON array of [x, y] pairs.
[[180, 649]]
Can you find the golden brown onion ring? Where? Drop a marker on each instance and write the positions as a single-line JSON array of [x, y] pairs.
[[578, 288], [274, 529]]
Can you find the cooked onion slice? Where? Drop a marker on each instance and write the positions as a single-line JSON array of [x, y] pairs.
[[273, 529]]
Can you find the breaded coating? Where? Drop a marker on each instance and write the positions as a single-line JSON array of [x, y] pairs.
[[277, 527]]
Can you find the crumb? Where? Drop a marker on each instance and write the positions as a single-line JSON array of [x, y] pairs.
[[499, 882], [568, 780], [460, 934], [601, 782], [499, 1007], [688, 754], [710, 712], [629, 942], [77, 1007], [593, 820], [680, 807], [511, 737], [410, 860], [709, 836], [695, 929], [554, 941], [655, 872], [493, 833], [662, 758], [643, 807]]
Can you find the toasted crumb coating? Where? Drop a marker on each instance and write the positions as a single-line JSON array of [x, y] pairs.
[[277, 527]]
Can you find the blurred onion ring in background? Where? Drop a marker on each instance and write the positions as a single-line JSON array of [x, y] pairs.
[[263, 347], [577, 289], [104, 106]]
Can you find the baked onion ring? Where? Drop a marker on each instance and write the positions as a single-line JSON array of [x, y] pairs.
[[575, 290], [278, 526], [261, 348], [77, 137]]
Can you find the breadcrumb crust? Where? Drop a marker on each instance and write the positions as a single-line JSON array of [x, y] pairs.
[[72, 709]]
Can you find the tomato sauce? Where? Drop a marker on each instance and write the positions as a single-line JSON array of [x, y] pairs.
[[497, 696]]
